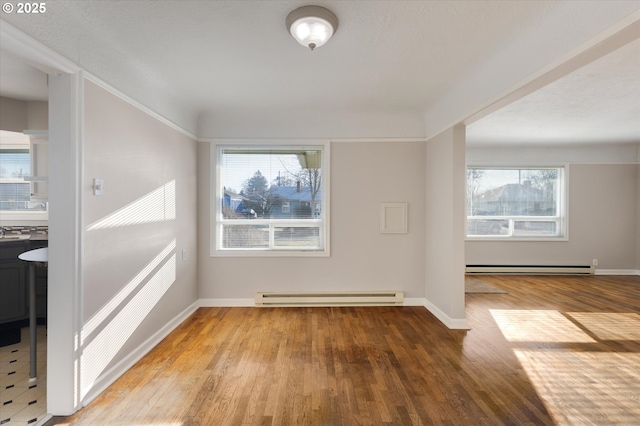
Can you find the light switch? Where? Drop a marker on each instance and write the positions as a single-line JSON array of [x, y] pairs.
[[98, 187]]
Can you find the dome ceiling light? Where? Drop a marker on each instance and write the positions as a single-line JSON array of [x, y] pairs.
[[312, 26]]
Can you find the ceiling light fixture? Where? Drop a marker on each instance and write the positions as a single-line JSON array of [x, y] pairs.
[[312, 26]]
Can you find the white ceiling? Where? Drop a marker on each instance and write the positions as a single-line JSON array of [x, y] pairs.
[[211, 56], [598, 103]]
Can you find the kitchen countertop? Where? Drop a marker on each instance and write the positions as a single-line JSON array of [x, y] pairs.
[[25, 233]]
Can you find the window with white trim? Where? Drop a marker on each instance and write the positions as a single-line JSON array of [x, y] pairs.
[[271, 200], [516, 203], [17, 201]]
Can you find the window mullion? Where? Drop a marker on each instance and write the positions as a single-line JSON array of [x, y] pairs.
[[272, 236]]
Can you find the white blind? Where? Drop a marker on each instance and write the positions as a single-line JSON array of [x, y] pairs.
[[14, 163], [15, 192]]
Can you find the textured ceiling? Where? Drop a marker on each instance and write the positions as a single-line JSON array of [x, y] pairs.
[[598, 103], [205, 57], [228, 54]]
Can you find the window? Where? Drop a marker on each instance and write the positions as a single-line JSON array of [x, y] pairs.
[[271, 200], [15, 188], [516, 203]]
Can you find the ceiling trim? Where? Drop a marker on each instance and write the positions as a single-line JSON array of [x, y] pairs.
[[33, 52], [45, 59], [309, 140], [115, 92]]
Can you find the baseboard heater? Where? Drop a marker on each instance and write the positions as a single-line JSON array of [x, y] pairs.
[[531, 269], [347, 298]]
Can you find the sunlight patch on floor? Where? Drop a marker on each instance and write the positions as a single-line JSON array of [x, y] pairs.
[[538, 326], [608, 325], [586, 387]]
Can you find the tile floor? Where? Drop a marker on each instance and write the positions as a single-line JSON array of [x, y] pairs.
[[23, 402]]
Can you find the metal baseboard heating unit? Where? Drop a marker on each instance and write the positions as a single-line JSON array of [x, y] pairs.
[[531, 269], [347, 298]]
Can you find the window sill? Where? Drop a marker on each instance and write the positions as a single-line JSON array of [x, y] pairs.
[[518, 239], [269, 253], [25, 216]]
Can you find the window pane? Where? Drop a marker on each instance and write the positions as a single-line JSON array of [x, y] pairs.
[[271, 183], [505, 201], [307, 237], [15, 192], [277, 192], [487, 227], [512, 192], [16, 196], [245, 236], [14, 164], [534, 228]]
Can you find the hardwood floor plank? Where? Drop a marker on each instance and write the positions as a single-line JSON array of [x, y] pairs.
[[553, 351]]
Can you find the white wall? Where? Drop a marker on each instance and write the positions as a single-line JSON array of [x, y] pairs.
[[444, 261], [604, 153], [17, 115], [603, 209], [13, 115], [312, 124], [127, 297], [363, 174], [37, 115]]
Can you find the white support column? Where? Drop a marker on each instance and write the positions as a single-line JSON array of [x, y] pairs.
[[65, 241], [445, 215]]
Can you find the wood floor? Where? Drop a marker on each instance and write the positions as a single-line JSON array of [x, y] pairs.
[[554, 350]]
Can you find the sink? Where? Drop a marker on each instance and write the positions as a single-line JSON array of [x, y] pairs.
[[8, 238]]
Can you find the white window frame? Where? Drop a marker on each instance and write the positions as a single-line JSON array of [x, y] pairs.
[[562, 218], [216, 193], [286, 207]]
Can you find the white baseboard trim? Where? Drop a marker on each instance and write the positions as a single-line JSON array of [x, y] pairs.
[[111, 375], [617, 272], [414, 301], [245, 303], [451, 323], [221, 303]]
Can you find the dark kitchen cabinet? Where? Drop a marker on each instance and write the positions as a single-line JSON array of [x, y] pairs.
[[13, 282]]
